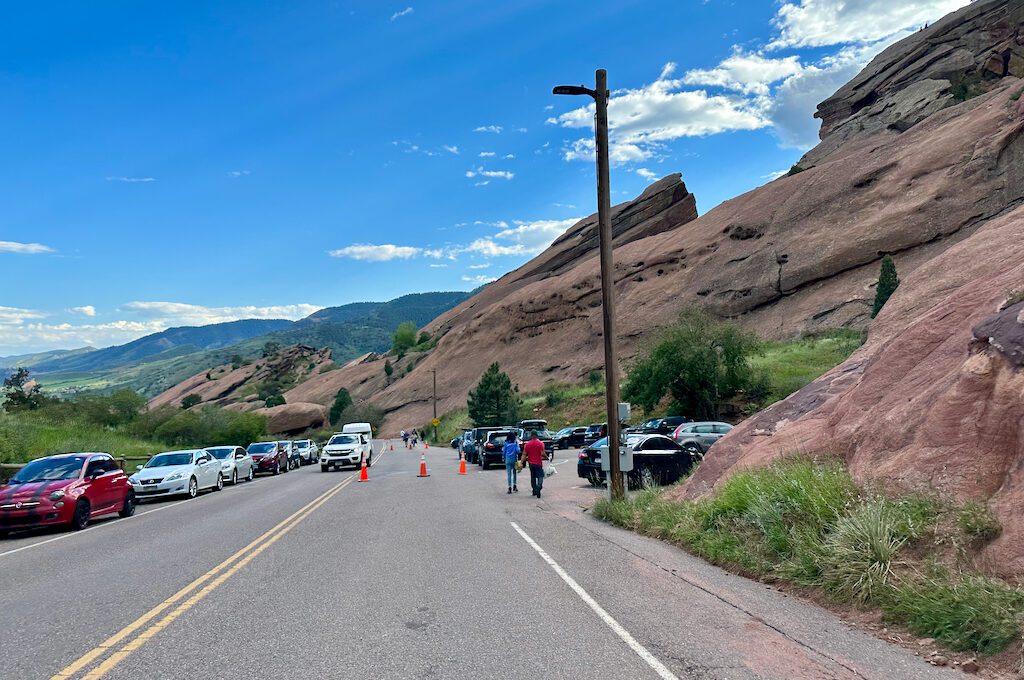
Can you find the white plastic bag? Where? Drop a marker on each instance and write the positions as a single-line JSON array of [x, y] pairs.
[[549, 469]]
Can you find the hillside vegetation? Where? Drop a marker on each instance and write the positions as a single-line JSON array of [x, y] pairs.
[[810, 524]]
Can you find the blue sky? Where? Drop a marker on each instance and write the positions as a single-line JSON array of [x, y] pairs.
[[192, 162]]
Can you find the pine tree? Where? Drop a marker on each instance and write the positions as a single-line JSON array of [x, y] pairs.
[[494, 401], [388, 368], [888, 282]]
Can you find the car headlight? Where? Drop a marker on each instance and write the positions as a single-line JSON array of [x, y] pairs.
[[174, 475], [133, 480], [57, 495]]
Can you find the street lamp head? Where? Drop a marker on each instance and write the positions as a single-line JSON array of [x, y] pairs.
[[573, 89]]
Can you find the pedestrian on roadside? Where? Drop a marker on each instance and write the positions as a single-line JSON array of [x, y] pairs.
[[533, 452], [511, 451]]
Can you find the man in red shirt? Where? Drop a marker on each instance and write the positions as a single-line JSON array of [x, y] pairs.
[[533, 451]]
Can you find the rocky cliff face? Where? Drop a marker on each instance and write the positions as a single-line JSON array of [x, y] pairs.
[[237, 388], [799, 254], [935, 398]]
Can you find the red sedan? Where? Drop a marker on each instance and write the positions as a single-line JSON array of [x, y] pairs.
[[69, 488]]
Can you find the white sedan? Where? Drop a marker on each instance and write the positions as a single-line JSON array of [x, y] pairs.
[[177, 472], [235, 463]]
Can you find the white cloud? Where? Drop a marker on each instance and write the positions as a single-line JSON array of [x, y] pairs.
[[485, 265], [451, 149], [184, 314], [549, 107], [641, 120], [239, 173], [496, 129], [437, 265], [564, 205], [131, 179], [494, 174], [402, 13], [376, 253], [86, 310], [479, 279], [482, 183], [745, 72], [645, 173], [486, 154], [35, 337], [15, 315], [509, 156], [772, 176], [24, 248], [818, 23], [522, 129], [525, 238]]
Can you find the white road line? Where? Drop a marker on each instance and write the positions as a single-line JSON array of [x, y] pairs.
[[623, 634]]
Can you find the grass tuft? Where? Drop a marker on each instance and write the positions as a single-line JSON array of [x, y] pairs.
[[807, 522]]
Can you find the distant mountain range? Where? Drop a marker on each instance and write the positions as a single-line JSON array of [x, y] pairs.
[[155, 362]]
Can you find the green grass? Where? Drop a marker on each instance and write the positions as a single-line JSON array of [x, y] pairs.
[[789, 366], [808, 523], [23, 438]]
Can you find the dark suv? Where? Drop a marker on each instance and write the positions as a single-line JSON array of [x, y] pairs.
[[474, 441], [594, 432], [493, 450], [665, 426]]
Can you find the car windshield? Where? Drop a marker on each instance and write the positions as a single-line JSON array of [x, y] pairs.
[[49, 470], [222, 452], [343, 439], [302, 445], [599, 443], [262, 448], [169, 459]]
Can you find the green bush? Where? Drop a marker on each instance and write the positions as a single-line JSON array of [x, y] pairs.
[[274, 400], [364, 413], [978, 522], [699, 361], [190, 401], [888, 282], [342, 400], [404, 338], [494, 400], [808, 523]]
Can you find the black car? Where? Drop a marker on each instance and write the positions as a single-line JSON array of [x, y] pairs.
[[570, 437], [665, 426], [474, 440], [493, 450], [656, 460], [595, 432]]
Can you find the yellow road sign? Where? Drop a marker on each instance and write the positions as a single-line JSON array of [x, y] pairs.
[[435, 422]]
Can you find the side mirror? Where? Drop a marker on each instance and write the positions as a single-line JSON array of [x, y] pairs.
[[138, 467], [240, 455]]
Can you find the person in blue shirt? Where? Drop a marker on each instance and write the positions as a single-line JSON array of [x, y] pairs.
[[511, 452]]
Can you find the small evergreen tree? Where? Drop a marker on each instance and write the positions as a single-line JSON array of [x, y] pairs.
[[888, 282], [342, 400], [388, 368], [237, 361], [271, 348], [21, 394], [190, 401], [424, 338], [274, 400], [494, 400]]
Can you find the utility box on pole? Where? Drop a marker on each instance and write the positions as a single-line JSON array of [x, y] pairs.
[[625, 459]]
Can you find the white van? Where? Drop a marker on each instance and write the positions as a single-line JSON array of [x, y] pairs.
[[351, 446]]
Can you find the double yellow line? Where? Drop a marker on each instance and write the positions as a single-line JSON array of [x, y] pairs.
[[194, 592]]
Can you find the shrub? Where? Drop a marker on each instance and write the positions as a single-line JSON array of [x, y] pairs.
[[595, 378], [1016, 95], [364, 413], [424, 338], [388, 368], [795, 170], [404, 337], [270, 348], [237, 361], [978, 522], [1013, 297], [342, 400], [888, 282], [699, 361], [274, 400], [190, 401]]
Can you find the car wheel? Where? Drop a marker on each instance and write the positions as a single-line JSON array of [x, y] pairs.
[[128, 509], [193, 487], [234, 477], [324, 468], [251, 474], [220, 482], [81, 517], [646, 478], [693, 450]]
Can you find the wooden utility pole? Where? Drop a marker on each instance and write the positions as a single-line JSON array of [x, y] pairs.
[[604, 230]]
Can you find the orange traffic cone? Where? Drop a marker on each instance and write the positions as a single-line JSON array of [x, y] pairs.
[[364, 475], [425, 444], [391, 446], [423, 466], [462, 465]]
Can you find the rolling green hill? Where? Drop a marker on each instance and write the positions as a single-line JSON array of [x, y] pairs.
[[349, 330]]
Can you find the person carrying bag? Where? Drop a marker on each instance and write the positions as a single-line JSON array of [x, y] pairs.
[[533, 451]]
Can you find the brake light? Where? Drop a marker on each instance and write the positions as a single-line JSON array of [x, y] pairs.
[[489, 446], [583, 455]]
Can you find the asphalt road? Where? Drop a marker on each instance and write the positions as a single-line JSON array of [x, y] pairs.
[[313, 575]]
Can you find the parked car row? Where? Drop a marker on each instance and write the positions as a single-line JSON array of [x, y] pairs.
[[657, 459], [74, 488], [485, 445]]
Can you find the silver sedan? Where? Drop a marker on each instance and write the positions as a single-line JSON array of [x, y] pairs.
[[235, 463], [177, 472]]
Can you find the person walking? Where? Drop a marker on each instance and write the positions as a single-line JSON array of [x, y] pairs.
[[511, 451], [533, 451]]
